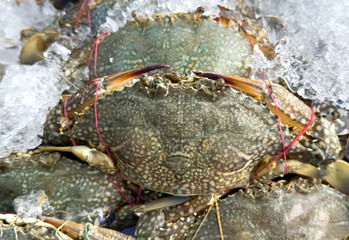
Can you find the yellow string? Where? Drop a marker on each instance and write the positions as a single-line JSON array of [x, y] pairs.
[[208, 211], [218, 217]]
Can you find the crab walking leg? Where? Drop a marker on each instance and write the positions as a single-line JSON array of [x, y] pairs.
[[88, 231], [33, 49], [161, 203], [293, 112], [93, 157], [336, 173]]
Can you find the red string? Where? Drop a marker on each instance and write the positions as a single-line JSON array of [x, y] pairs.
[[89, 14], [139, 194], [97, 128], [79, 15], [105, 146], [281, 133], [289, 146], [91, 54], [73, 141], [247, 35], [120, 191], [94, 50], [66, 118], [80, 12]]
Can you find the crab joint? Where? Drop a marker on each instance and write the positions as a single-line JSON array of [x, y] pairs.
[[119, 80], [251, 87], [93, 157]]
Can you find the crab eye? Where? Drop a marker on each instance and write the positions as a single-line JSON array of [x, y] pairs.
[[220, 83]]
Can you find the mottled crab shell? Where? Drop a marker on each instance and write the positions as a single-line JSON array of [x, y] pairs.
[[181, 41], [282, 212], [71, 187]]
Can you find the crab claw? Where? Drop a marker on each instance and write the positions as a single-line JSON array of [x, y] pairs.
[[73, 229], [38, 43], [119, 80], [93, 157], [116, 82], [338, 175], [87, 231], [293, 112]]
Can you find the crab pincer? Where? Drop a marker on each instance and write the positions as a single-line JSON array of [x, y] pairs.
[[116, 82]]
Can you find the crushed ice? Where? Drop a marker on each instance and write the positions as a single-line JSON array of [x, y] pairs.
[[35, 204], [312, 57], [26, 93]]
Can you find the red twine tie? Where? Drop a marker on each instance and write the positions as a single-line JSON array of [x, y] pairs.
[[96, 119], [88, 14], [278, 116], [289, 146], [247, 35], [94, 50], [279, 121]]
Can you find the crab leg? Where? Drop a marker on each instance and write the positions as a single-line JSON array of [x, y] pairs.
[[38, 43], [119, 80], [336, 173], [93, 157], [293, 112], [115, 82], [161, 203]]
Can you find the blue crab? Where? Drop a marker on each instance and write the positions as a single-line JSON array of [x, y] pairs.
[[189, 135]]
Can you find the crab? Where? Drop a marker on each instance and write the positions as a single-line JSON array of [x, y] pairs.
[[276, 210], [72, 192], [189, 136], [188, 143]]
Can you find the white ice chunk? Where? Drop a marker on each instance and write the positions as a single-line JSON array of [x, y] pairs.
[[26, 94], [313, 56], [34, 205], [122, 11]]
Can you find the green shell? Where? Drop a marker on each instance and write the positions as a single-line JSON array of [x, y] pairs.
[[184, 44]]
